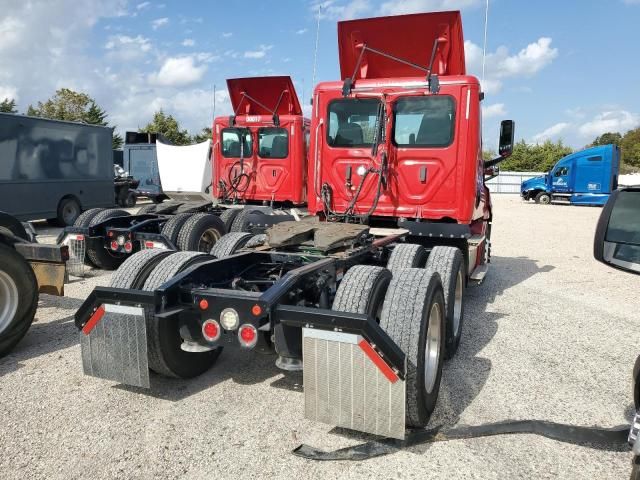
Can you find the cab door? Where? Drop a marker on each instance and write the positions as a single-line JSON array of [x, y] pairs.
[[561, 178], [273, 172]]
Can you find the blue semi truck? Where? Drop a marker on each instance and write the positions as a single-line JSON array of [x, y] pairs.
[[586, 177]]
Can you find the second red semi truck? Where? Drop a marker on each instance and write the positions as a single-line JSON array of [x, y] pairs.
[[366, 295]]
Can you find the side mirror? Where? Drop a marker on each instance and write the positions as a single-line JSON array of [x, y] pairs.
[[617, 239], [505, 145], [507, 132]]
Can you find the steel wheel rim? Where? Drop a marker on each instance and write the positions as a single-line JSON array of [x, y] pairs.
[[457, 304], [69, 213], [432, 347], [208, 239], [545, 200], [8, 300]]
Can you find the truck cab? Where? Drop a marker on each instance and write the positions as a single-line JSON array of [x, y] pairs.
[[259, 152], [586, 177], [397, 142]]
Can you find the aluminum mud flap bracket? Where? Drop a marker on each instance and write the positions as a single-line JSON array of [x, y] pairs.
[[348, 384], [114, 345]]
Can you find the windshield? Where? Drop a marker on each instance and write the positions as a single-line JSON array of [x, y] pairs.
[[273, 142], [352, 122], [231, 143], [424, 121]]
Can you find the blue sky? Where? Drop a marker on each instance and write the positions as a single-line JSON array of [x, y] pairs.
[[565, 70]]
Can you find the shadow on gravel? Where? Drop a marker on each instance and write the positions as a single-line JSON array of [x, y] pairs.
[[465, 375], [242, 367], [47, 337]]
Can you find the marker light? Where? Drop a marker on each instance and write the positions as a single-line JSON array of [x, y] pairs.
[[229, 319], [248, 335], [203, 304], [211, 330], [256, 310]]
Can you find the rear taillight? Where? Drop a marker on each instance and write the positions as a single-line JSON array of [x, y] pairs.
[[211, 330], [148, 244], [128, 246], [114, 245], [248, 335]]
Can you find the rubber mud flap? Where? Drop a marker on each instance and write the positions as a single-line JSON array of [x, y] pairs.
[[606, 439]]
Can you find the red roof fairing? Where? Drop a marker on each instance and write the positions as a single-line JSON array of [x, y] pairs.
[[408, 37], [260, 95]]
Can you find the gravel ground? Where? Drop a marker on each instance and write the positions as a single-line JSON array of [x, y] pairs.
[[549, 335]]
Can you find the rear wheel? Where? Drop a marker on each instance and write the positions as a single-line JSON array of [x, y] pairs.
[[362, 290], [68, 211], [242, 222], [18, 298], [228, 216], [171, 229], [166, 357], [147, 209], [543, 198], [84, 219], [230, 244], [449, 264], [413, 316], [200, 233], [100, 256], [407, 255], [136, 269]]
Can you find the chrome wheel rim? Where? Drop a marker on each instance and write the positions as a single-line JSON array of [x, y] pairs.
[[208, 240], [545, 200], [457, 305], [8, 300], [432, 347]]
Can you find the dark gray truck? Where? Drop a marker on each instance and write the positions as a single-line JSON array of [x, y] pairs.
[[54, 170]]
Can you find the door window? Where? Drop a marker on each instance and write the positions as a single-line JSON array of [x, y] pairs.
[[561, 172], [273, 142], [352, 122], [424, 121]]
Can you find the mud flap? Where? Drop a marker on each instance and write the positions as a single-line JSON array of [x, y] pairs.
[[348, 384], [114, 345]]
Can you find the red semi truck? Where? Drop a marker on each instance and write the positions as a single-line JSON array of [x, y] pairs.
[[367, 294]]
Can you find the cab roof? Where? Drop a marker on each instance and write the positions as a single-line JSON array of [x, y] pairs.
[[413, 44], [260, 96]]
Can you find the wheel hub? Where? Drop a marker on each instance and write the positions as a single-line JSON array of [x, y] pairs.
[[208, 240], [432, 347], [8, 300]]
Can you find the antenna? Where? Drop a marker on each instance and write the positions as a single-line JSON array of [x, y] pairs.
[[213, 113], [315, 53], [484, 48]]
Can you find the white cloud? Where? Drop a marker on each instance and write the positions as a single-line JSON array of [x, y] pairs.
[[188, 42], [178, 71], [143, 5], [302, 31], [159, 22], [399, 7], [226, 34], [495, 110], [610, 121], [334, 10], [552, 133], [500, 65], [261, 52], [11, 30], [9, 92], [125, 48]]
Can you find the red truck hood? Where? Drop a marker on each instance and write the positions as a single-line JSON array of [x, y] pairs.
[[409, 37], [264, 93]]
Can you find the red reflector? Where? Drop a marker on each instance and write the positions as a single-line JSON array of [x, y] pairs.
[[256, 310], [203, 304], [248, 335], [211, 330], [93, 321], [148, 244], [128, 246], [109, 234], [114, 245], [80, 238], [386, 370]]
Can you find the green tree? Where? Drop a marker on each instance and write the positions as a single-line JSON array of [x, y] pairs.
[[630, 147], [8, 106], [607, 139], [73, 106], [205, 134], [535, 158], [168, 127]]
